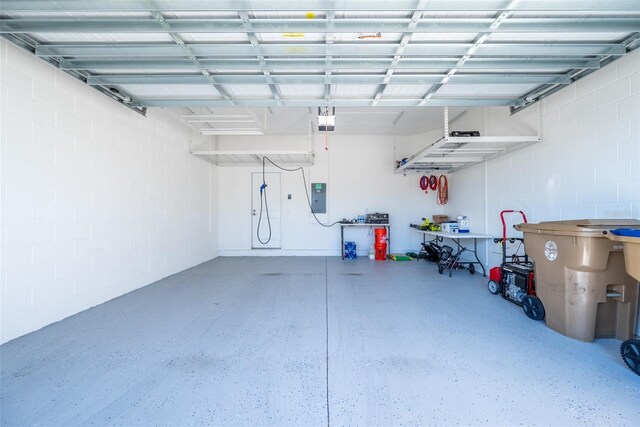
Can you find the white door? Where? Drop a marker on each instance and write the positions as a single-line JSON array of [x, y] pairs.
[[265, 228]]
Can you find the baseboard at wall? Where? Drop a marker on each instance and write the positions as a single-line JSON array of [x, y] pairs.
[[276, 252]]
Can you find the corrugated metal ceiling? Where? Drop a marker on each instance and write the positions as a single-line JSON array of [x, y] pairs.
[[319, 52]]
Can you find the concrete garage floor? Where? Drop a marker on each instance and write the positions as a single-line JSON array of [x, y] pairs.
[[244, 341]]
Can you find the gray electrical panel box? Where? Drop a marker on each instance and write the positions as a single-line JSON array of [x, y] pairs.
[[319, 197]]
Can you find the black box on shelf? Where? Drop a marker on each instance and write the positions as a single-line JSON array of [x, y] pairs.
[[377, 218]]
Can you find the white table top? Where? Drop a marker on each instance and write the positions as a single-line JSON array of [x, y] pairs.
[[454, 235], [355, 224]]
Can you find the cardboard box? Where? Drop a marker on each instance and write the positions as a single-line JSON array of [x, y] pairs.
[[439, 219]]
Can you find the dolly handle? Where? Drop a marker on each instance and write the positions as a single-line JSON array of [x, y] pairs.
[[504, 224]]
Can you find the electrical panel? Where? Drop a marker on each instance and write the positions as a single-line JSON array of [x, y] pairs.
[[319, 197]]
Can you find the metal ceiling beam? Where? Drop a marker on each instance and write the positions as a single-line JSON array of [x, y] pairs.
[[187, 52], [441, 25], [545, 90], [493, 64], [400, 50], [119, 50], [320, 79], [316, 5], [478, 42], [328, 38], [321, 102], [255, 46]]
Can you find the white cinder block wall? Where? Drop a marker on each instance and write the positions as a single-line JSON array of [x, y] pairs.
[[97, 200], [587, 165], [359, 174]]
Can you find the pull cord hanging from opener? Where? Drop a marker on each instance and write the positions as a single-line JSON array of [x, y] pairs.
[[328, 122], [263, 194], [326, 139]]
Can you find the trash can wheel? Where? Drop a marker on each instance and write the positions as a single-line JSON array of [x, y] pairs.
[[630, 352], [494, 287], [472, 269], [533, 307]]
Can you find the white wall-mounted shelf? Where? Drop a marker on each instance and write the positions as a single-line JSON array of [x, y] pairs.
[[304, 156], [449, 154], [254, 158]]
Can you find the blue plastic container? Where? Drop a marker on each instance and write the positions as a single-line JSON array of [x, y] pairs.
[[350, 250]]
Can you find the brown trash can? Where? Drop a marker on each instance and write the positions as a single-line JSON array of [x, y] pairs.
[[581, 278], [631, 253]]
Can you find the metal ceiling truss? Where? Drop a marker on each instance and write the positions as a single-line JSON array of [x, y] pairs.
[[259, 54], [320, 79], [478, 43], [550, 88], [329, 59], [400, 50], [320, 102], [416, 49], [383, 25], [317, 5], [278, 64], [186, 50], [397, 57]]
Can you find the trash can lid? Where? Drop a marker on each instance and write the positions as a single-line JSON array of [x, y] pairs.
[[630, 238], [627, 232], [581, 227]]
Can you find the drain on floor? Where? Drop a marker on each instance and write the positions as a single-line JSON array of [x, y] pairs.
[[352, 274]]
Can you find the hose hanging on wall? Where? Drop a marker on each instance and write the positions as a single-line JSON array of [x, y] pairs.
[[263, 197], [428, 183], [433, 182], [263, 194], [443, 190], [424, 183]]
